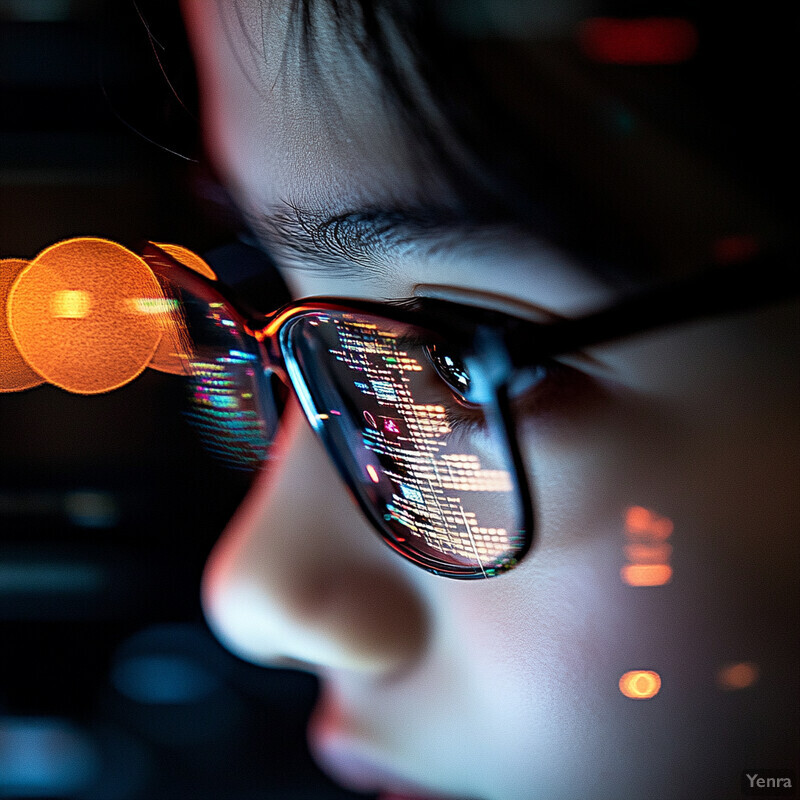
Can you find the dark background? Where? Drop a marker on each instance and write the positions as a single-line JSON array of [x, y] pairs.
[[111, 687]]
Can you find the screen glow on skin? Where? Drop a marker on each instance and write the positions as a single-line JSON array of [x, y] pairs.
[[509, 688]]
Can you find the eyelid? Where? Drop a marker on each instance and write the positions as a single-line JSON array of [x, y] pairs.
[[506, 305]]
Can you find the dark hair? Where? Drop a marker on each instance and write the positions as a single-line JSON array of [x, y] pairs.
[[568, 164]]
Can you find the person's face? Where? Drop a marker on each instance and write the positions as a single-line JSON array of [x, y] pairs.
[[507, 688]]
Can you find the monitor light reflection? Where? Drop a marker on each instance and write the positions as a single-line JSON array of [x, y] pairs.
[[647, 551]]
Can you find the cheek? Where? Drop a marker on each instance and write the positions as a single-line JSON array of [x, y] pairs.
[[541, 645], [549, 641]]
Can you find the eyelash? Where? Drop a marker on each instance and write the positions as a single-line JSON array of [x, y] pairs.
[[463, 418]]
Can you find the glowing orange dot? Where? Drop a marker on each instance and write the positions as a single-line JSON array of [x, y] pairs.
[[640, 684], [738, 676], [89, 354], [646, 574], [15, 373], [188, 259], [372, 473]]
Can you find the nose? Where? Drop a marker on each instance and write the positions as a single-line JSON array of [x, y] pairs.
[[300, 576]]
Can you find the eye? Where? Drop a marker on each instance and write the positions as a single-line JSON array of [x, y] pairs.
[[451, 369]]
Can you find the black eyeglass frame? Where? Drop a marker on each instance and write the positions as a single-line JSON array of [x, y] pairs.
[[517, 344]]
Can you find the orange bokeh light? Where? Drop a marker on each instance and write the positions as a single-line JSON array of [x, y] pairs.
[[188, 259], [646, 574], [737, 676], [15, 373], [105, 348], [640, 684]]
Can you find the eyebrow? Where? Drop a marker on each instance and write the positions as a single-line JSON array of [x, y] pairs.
[[363, 240]]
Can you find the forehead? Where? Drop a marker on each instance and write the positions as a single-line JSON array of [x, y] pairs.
[[294, 112], [309, 122]]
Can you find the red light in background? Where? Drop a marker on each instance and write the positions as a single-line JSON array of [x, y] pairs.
[[653, 40], [734, 249]]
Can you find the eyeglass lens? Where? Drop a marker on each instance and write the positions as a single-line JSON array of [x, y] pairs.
[[433, 470]]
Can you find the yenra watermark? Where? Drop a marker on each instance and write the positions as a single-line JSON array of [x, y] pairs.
[[769, 783]]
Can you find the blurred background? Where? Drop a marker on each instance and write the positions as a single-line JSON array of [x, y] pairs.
[[111, 687]]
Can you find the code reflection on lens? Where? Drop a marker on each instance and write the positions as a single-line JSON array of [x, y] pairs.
[[229, 404], [435, 471]]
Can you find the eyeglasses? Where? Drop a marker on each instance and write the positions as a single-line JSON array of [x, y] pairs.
[[415, 403]]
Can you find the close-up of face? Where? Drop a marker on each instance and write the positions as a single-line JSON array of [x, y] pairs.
[[646, 645]]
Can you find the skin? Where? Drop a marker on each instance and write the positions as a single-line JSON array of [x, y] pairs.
[[507, 689]]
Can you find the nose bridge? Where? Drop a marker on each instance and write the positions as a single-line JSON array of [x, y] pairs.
[[299, 573]]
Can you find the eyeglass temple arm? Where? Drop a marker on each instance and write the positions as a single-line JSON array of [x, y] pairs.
[[745, 286]]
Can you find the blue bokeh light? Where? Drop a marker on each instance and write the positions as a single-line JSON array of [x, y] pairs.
[[163, 679]]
